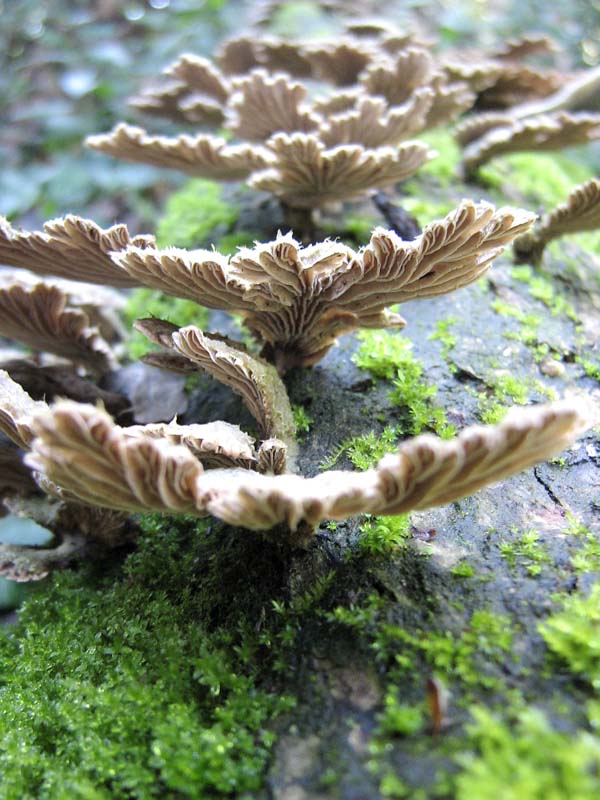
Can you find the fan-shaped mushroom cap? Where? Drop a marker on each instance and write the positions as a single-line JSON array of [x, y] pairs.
[[202, 155], [38, 316], [580, 212], [82, 450], [16, 408], [70, 247], [551, 132], [305, 174], [255, 380], [96, 461], [300, 299], [264, 104]]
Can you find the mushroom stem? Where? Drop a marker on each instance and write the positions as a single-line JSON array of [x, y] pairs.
[[300, 221]]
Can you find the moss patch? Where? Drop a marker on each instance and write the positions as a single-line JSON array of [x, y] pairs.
[[573, 634], [194, 215], [131, 686], [389, 356], [537, 179], [526, 758]]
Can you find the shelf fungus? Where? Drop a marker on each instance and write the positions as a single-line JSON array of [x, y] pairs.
[[580, 212], [202, 155], [70, 247], [553, 131], [79, 530], [298, 300], [252, 378], [39, 316], [308, 151], [80, 449]]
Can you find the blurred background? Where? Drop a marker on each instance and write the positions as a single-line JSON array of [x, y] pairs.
[[69, 66]]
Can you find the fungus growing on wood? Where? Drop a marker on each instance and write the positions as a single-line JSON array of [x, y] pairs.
[[81, 449], [308, 151], [551, 132], [255, 380], [580, 212], [201, 155], [78, 529], [70, 247], [298, 300], [39, 316]]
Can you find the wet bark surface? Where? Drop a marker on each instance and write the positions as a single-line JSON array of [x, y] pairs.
[[341, 688]]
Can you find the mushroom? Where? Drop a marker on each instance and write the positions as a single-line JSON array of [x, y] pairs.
[[81, 449], [548, 132], [298, 300], [580, 212]]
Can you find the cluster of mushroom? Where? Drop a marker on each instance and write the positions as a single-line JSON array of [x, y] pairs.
[[313, 151], [307, 150], [295, 300]]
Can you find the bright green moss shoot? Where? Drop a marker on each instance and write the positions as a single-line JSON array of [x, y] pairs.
[[539, 178], [573, 634], [127, 685], [389, 356], [193, 214], [150, 303], [527, 759]]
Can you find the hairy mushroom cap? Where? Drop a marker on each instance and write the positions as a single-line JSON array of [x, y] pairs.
[[298, 300], [196, 91], [39, 317], [372, 123], [202, 155], [551, 132], [340, 63], [255, 380], [580, 212], [396, 79], [264, 104], [70, 247], [305, 174], [16, 409], [216, 445], [81, 449]]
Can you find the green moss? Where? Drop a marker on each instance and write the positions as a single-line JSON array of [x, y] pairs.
[[382, 535], [364, 451], [389, 356], [358, 228], [464, 657], [463, 570], [506, 390], [573, 635], [143, 682], [542, 179], [587, 557], [446, 164], [150, 303], [542, 289], [591, 368], [526, 551], [302, 420], [398, 718], [529, 331], [526, 759], [426, 211], [230, 243], [383, 354], [442, 333], [193, 215]]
